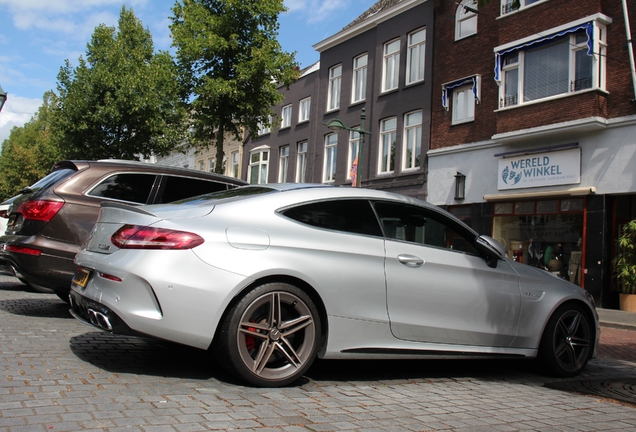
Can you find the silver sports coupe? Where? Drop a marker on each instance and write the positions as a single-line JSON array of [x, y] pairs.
[[270, 277]]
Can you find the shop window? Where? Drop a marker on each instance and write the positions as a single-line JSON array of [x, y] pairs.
[[572, 205], [548, 206], [524, 207], [545, 233], [503, 208]]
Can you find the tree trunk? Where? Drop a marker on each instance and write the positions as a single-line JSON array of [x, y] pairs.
[[218, 164]]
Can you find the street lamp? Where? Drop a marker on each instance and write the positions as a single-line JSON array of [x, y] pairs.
[[3, 98], [337, 125]]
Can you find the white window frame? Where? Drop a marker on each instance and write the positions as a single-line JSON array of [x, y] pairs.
[[352, 154], [510, 68], [301, 161], [286, 116], [283, 164], [390, 65], [335, 81], [201, 165], [236, 161], [304, 109], [415, 56], [506, 5], [463, 104], [263, 128], [331, 158], [259, 159], [359, 85], [388, 142], [412, 137], [466, 19], [211, 163]]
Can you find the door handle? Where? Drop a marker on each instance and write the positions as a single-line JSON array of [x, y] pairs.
[[410, 260]]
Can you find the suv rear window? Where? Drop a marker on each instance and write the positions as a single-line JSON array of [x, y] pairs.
[[52, 178], [176, 188], [125, 187]]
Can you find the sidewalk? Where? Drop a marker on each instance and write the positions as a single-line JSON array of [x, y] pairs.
[[617, 319]]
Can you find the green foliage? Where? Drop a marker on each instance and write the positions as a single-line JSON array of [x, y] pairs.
[[123, 100], [231, 65], [625, 260], [29, 152]]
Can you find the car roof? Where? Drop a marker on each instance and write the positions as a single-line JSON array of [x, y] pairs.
[[114, 164], [296, 193]]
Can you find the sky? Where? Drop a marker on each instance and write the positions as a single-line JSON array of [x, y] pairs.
[[37, 36]]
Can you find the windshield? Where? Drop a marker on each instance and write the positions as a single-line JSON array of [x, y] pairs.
[[240, 192]]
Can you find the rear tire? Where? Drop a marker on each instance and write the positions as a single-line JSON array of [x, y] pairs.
[[270, 337], [567, 342]]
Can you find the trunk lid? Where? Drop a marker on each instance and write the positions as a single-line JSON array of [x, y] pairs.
[[113, 216]]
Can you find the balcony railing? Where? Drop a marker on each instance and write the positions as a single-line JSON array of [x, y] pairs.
[[508, 101], [581, 84]]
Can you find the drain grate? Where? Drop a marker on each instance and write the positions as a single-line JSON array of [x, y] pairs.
[[620, 389]]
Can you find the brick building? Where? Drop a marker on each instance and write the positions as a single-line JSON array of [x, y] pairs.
[[381, 63], [539, 128]]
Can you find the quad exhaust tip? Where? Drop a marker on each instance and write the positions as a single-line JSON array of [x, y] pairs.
[[99, 319]]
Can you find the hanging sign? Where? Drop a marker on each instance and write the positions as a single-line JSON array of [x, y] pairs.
[[540, 169]]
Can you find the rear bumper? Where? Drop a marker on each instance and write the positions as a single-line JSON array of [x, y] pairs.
[[51, 269], [97, 315]]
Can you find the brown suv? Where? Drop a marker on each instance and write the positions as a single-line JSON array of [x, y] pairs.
[[50, 220]]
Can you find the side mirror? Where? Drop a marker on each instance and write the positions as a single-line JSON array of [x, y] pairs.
[[491, 249]]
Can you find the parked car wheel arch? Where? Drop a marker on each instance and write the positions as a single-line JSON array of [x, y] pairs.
[[291, 280], [550, 337]]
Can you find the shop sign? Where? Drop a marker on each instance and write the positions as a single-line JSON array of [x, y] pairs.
[[541, 169]]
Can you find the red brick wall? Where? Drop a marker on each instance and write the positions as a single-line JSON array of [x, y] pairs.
[[474, 55]]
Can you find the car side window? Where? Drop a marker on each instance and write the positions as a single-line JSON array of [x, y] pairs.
[[418, 225], [125, 187], [352, 216], [174, 188]]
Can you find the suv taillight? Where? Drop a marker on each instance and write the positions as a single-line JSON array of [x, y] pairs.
[[140, 237], [42, 210]]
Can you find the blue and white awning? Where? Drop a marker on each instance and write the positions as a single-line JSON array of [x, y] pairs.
[[589, 31], [474, 80]]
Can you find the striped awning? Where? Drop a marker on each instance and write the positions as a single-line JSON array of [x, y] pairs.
[[464, 81], [589, 30]]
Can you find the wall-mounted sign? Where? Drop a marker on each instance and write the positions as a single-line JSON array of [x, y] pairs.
[[540, 169]]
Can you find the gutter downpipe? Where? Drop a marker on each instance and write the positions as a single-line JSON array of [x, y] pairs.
[[630, 46]]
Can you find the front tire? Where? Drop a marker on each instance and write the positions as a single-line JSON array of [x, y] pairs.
[[270, 337], [567, 343]]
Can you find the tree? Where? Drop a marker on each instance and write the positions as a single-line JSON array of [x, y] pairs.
[[123, 100], [29, 152], [231, 65]]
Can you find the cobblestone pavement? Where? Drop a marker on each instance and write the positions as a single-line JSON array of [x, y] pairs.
[[618, 344], [59, 375]]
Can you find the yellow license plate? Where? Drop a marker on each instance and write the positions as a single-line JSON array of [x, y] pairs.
[[81, 277]]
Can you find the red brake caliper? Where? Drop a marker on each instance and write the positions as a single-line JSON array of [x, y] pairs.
[[250, 342]]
